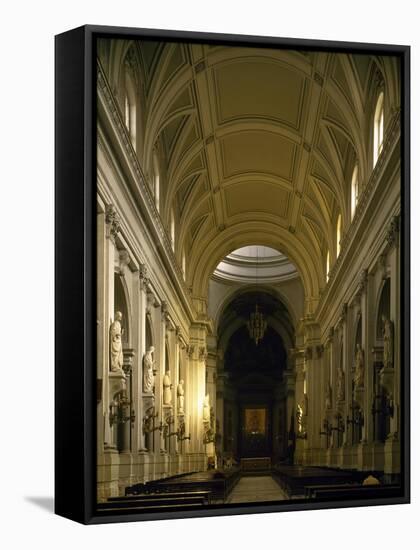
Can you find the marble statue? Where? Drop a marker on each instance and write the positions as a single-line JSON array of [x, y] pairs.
[[206, 408], [180, 394], [340, 385], [328, 396], [115, 343], [299, 418], [388, 336], [149, 371], [167, 386], [359, 371]]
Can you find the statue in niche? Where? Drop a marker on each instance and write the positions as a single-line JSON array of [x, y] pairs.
[[328, 396], [149, 371], [359, 370], [340, 384], [180, 395], [115, 343], [167, 386], [206, 408], [299, 418], [388, 336]]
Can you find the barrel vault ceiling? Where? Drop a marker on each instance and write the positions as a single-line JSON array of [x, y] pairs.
[[258, 145]]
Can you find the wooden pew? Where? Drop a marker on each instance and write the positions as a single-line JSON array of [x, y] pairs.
[[294, 479], [205, 495], [217, 483], [146, 508], [153, 502], [351, 491]]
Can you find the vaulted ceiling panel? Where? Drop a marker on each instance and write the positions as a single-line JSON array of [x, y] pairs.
[[176, 61], [255, 151], [362, 64], [172, 132], [255, 88], [149, 51], [263, 197], [191, 186], [182, 101], [322, 177]]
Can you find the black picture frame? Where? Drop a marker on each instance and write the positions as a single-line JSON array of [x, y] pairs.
[[75, 282]]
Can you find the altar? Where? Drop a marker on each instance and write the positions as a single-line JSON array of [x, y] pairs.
[[256, 464]]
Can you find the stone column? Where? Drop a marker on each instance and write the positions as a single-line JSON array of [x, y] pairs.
[[329, 399], [313, 378], [301, 401], [210, 378], [112, 226], [181, 415], [325, 395], [140, 404], [196, 394], [156, 469], [339, 389], [127, 411], [102, 309], [367, 394], [166, 409], [348, 360], [220, 400], [201, 391], [392, 465], [190, 421]]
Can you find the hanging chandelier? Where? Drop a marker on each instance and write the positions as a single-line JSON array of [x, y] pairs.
[[257, 324]]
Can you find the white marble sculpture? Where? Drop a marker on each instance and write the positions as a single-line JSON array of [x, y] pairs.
[[149, 371], [167, 394], [206, 408], [359, 371], [388, 336], [180, 394], [115, 343], [299, 418]]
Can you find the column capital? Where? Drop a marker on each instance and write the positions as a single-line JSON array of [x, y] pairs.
[[343, 314], [202, 353], [143, 275], [319, 350], [112, 220], [330, 336], [392, 231], [190, 351]]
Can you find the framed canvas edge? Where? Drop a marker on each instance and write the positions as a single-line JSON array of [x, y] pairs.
[[82, 385]]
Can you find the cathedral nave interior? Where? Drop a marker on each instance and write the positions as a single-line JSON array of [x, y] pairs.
[[248, 270]]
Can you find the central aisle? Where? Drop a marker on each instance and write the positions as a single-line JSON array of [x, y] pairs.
[[256, 489]]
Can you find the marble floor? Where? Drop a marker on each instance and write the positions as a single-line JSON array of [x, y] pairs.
[[256, 489]]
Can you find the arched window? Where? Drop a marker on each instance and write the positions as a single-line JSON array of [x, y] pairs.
[[172, 229], [130, 108], [354, 190], [339, 224], [378, 128], [328, 266], [184, 264], [156, 179]]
